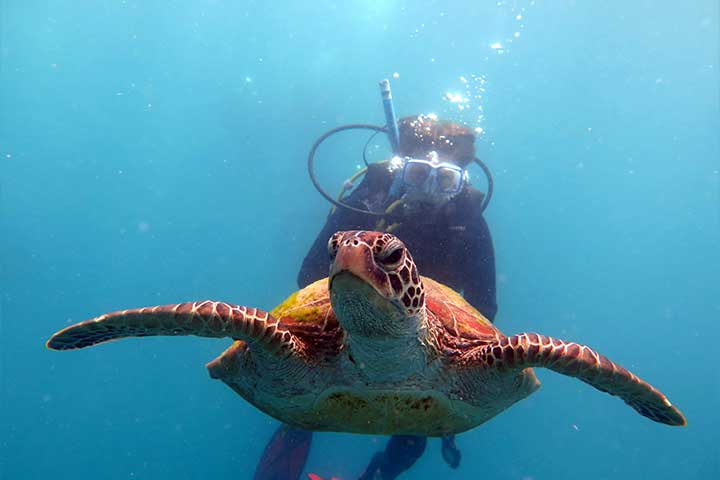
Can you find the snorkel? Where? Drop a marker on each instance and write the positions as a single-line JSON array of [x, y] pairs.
[[390, 120], [393, 135]]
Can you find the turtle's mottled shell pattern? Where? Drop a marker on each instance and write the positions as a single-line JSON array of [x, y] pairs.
[[420, 407]]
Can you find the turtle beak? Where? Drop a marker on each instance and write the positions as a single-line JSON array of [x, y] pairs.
[[358, 260]]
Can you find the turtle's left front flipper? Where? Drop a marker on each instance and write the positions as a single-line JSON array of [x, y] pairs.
[[203, 319], [534, 350]]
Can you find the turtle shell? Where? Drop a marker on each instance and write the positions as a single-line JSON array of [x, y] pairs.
[[457, 317], [309, 312], [457, 328], [458, 325]]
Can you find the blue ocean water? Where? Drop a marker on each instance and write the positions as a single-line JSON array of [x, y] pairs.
[[154, 151]]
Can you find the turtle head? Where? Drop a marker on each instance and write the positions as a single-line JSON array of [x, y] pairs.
[[375, 288]]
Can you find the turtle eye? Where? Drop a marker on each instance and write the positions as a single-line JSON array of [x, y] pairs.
[[391, 256]]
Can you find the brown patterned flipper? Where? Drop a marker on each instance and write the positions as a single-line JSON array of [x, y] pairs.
[[534, 350], [204, 319]]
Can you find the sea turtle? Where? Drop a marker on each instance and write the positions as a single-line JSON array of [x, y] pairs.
[[375, 348]]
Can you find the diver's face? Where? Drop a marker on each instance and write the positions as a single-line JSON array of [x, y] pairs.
[[431, 180]]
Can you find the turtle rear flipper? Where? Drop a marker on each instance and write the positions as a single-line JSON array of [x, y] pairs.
[[575, 360], [203, 319]]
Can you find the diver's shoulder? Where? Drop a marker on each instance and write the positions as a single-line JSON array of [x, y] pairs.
[[378, 174], [379, 169]]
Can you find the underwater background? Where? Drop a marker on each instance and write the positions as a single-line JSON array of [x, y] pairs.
[[154, 152]]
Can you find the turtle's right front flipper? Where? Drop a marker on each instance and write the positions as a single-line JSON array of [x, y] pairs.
[[203, 319], [534, 350]]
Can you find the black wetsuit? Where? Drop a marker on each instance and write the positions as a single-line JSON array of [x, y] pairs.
[[451, 244]]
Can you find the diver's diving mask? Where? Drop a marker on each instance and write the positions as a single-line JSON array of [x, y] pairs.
[[432, 176]]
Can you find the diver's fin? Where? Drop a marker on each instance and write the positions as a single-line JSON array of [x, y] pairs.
[[285, 455], [450, 452]]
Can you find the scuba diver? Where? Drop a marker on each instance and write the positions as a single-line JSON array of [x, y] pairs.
[[423, 196]]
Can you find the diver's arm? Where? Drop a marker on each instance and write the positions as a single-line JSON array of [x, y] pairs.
[[479, 281]]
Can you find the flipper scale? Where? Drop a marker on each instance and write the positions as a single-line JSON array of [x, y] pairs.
[[202, 319], [579, 361]]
